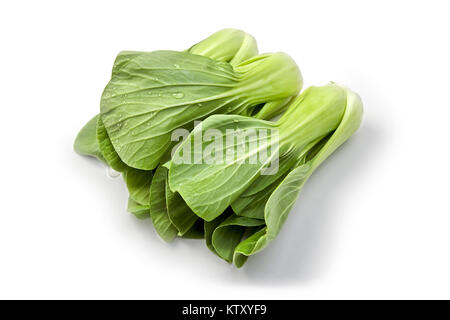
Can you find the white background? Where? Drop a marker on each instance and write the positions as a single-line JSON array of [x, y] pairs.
[[372, 222]]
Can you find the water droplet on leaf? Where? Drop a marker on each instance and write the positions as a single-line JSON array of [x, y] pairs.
[[178, 95]]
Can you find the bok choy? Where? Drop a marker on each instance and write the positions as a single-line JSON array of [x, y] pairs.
[[190, 132], [315, 124], [153, 93]]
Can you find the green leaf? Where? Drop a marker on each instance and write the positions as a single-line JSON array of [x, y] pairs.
[[287, 161], [252, 201], [276, 211], [197, 231], [252, 205], [245, 248], [158, 208], [137, 181], [138, 184], [179, 213], [139, 210], [210, 226], [155, 93], [107, 149], [230, 232], [122, 59], [283, 198], [86, 140], [316, 123], [209, 189], [227, 45]]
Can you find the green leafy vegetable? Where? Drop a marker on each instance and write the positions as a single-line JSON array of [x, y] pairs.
[[316, 123], [107, 149], [155, 93], [158, 207], [179, 213], [170, 214], [138, 184], [197, 231], [210, 189], [139, 210], [228, 234], [86, 140], [234, 179], [229, 45]]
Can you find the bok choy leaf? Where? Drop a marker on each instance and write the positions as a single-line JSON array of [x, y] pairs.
[[157, 92], [86, 140], [227, 45]]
